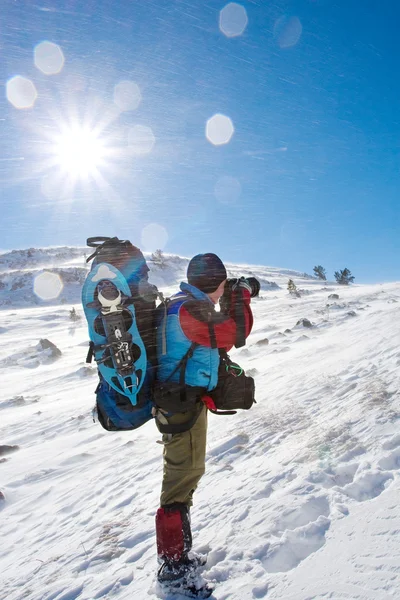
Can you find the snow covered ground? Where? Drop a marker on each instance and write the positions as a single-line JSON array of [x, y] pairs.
[[301, 495]]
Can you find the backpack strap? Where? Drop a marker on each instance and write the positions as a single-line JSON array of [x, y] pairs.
[[163, 425], [240, 321], [90, 354], [211, 332], [97, 242], [222, 412], [182, 364], [165, 303]]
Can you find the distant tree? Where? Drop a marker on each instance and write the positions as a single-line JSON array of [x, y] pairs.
[[320, 272], [73, 315], [158, 258], [344, 277], [292, 288]]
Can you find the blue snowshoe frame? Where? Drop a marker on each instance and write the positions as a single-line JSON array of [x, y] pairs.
[[127, 384]]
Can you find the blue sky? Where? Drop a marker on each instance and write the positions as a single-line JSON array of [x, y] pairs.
[[315, 150]]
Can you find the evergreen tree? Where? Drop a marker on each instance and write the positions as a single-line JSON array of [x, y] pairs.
[[320, 272], [344, 277], [158, 258], [73, 315], [292, 288]]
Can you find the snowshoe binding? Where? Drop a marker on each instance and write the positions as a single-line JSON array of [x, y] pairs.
[[184, 578]]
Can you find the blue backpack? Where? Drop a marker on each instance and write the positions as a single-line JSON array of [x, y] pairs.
[[120, 306]]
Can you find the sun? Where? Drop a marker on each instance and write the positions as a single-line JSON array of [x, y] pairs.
[[79, 152], [79, 158]]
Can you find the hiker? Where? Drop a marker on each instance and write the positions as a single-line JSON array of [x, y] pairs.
[[190, 334], [169, 362]]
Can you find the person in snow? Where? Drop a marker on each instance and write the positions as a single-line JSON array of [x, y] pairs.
[[189, 335]]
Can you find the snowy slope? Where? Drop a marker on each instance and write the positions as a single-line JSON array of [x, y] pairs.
[[300, 499], [19, 269]]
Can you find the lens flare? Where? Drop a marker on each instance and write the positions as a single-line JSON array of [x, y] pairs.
[[48, 58], [21, 92], [79, 152], [47, 286], [219, 130], [233, 20]]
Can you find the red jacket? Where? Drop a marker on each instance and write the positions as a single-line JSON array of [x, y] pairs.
[[230, 329]]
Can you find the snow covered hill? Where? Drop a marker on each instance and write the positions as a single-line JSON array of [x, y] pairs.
[[22, 271], [300, 499]]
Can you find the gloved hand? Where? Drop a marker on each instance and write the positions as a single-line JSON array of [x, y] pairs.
[[243, 283], [232, 291]]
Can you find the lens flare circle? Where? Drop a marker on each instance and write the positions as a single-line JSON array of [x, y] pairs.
[[287, 31], [48, 58], [141, 139], [21, 92], [47, 286], [233, 20], [127, 95], [219, 130]]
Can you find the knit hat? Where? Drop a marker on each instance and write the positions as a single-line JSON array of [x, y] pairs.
[[206, 272]]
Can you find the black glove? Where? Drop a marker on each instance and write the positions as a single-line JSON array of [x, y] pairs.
[[244, 284]]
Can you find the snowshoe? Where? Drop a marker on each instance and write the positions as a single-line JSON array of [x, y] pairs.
[[118, 347], [197, 560], [183, 578]]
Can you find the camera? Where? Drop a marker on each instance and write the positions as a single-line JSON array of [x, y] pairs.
[[252, 282], [225, 301]]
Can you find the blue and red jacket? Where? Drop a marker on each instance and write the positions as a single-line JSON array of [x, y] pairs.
[[191, 318]]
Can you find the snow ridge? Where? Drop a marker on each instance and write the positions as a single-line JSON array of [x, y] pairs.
[[19, 270]]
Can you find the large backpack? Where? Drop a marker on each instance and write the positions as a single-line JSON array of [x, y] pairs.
[[119, 305]]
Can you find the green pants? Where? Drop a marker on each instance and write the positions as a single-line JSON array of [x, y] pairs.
[[184, 460]]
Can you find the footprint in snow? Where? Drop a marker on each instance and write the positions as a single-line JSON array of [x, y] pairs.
[[330, 477], [352, 453], [296, 545], [302, 532], [391, 462], [368, 486], [344, 474], [306, 513]]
